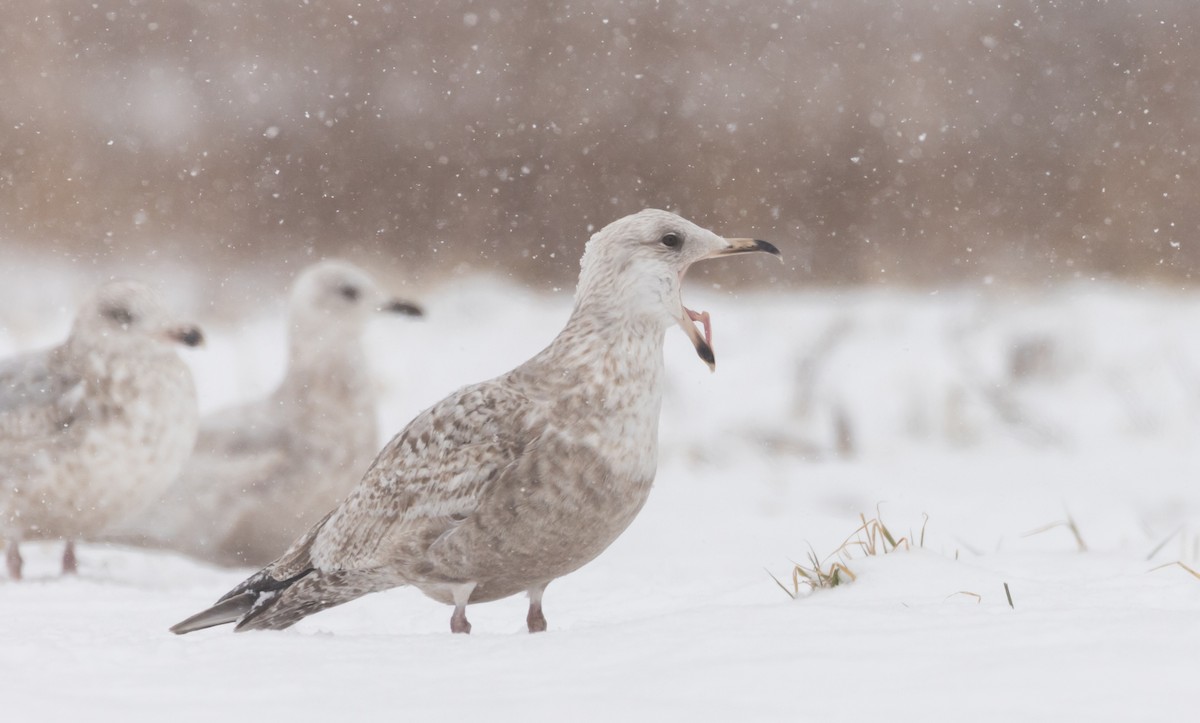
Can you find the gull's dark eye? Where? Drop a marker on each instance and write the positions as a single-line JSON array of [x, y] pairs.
[[119, 314], [672, 241], [350, 293]]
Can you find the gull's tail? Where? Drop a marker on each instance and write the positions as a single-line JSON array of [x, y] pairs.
[[265, 603], [287, 590], [260, 602], [223, 613]]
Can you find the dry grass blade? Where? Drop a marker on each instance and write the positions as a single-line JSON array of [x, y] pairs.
[[968, 593], [783, 587], [1158, 548], [1068, 523], [1008, 594], [1191, 572], [887, 535], [870, 538], [1075, 531], [1189, 545]]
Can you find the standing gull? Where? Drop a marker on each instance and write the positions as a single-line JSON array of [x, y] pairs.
[[265, 471], [94, 429], [506, 485]]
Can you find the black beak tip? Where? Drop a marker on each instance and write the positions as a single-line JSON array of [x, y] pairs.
[[191, 337], [706, 353], [403, 307], [768, 247]]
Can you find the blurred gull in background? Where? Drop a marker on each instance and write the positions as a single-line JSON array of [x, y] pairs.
[[94, 428], [265, 471]]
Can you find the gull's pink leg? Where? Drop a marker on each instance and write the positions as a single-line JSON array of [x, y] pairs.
[[70, 563], [458, 621], [535, 619], [12, 558]]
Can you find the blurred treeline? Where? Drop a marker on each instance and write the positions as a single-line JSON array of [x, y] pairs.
[[912, 142]]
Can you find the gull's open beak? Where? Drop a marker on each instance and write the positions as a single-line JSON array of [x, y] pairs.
[[395, 306], [702, 340], [187, 334]]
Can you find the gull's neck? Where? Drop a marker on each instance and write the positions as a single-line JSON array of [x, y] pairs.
[[120, 373], [603, 375], [326, 369], [608, 342], [105, 357]]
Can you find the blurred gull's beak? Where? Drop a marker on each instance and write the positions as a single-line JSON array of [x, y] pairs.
[[395, 306], [703, 341], [187, 334]]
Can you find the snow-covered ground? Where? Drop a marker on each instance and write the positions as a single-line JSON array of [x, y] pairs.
[[995, 414]]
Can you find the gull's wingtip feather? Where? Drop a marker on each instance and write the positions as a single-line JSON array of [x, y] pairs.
[[223, 613]]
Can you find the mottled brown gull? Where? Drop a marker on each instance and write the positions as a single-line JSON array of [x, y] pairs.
[[506, 485], [265, 471], [94, 429]]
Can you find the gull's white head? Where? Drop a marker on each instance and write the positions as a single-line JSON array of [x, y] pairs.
[[123, 315], [331, 294], [635, 266]]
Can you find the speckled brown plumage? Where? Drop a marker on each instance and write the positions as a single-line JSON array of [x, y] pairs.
[[507, 485], [92, 430], [264, 472]]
